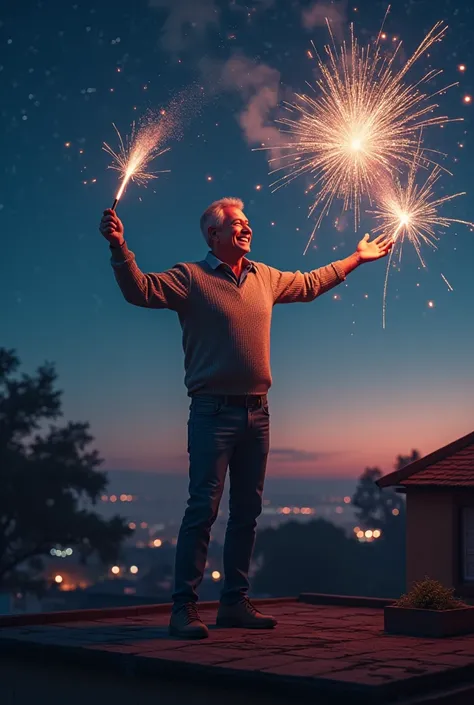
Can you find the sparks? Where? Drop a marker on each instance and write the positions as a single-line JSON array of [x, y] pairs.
[[450, 288], [148, 137], [410, 212], [136, 153], [362, 125]]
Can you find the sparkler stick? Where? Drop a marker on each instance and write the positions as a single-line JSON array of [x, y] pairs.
[[362, 125]]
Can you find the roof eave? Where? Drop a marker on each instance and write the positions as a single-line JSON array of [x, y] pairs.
[[398, 476]]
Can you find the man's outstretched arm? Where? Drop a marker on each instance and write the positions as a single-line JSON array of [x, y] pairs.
[[301, 287]]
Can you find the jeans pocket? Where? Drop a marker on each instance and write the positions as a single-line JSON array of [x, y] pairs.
[[205, 406], [266, 410]]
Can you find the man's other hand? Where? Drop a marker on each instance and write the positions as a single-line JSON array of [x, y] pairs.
[[370, 250]]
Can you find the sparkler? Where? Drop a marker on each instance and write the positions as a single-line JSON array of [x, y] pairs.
[[363, 125], [410, 212], [148, 138], [138, 150]]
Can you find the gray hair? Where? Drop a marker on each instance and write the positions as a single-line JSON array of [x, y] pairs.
[[214, 214]]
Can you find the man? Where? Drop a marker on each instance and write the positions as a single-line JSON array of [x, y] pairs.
[[224, 304]]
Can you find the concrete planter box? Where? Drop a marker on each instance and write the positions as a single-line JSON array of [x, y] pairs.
[[412, 621]]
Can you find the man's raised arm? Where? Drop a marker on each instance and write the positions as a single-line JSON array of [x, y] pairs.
[[169, 289]]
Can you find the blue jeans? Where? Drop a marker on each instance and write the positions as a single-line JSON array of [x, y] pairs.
[[219, 437]]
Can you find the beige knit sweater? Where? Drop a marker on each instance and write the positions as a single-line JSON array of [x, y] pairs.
[[226, 325]]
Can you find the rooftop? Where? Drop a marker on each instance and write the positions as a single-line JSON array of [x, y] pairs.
[[332, 648], [449, 466]]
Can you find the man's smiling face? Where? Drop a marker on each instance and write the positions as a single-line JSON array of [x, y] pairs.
[[235, 234]]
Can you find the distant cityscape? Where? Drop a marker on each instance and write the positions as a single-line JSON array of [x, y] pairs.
[[144, 572]]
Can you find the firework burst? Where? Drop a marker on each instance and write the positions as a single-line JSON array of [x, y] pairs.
[[133, 156], [363, 124], [410, 212]]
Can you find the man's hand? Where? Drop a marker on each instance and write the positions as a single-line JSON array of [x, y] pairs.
[[111, 227], [370, 251]]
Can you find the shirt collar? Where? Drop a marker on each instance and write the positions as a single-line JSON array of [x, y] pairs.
[[215, 262]]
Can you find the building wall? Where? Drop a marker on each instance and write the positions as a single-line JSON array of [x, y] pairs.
[[432, 534]]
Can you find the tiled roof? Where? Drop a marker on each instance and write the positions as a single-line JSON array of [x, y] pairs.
[[450, 466], [331, 647]]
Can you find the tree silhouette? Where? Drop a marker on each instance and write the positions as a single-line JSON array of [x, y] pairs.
[[375, 505], [403, 460], [319, 557], [316, 557], [47, 483]]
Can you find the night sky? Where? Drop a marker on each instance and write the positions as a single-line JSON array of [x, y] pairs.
[[346, 392]]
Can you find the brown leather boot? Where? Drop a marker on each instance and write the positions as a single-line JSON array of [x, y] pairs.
[[186, 623], [243, 614]]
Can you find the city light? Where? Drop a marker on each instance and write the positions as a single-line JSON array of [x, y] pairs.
[[133, 569], [115, 569], [293, 510], [395, 512], [367, 535], [215, 575], [61, 553], [58, 579], [157, 543]]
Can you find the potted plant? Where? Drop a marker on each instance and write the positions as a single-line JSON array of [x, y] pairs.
[[429, 609]]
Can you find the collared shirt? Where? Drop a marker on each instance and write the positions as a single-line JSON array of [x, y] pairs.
[[215, 262]]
